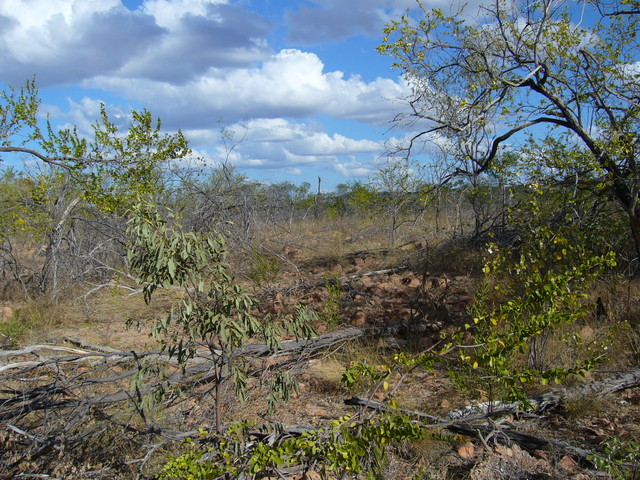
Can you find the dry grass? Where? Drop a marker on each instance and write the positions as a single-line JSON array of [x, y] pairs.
[[323, 242], [312, 249], [324, 377], [32, 320], [584, 406]]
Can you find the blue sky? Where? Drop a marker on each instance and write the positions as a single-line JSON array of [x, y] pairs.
[[299, 81]]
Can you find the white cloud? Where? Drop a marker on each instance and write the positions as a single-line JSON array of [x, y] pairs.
[[260, 146], [279, 145], [323, 144], [290, 83], [321, 21], [355, 169], [84, 113], [192, 62], [201, 35], [71, 40], [302, 140], [197, 62], [65, 41], [169, 13]]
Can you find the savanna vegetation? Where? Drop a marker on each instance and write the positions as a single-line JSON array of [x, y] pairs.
[[471, 316]]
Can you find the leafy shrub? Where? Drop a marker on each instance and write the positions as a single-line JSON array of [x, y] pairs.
[[528, 293], [13, 329], [621, 459], [347, 447], [214, 311], [330, 313]]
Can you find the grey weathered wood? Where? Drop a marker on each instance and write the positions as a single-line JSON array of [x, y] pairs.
[[465, 421], [557, 398], [469, 426]]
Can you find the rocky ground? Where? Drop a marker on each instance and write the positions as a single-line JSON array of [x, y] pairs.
[[369, 290]]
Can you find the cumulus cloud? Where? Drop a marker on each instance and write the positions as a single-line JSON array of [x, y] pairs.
[[321, 21], [291, 83], [67, 41], [280, 145], [259, 144], [192, 61], [200, 35], [304, 139], [334, 20], [195, 62], [84, 113], [203, 59], [71, 40]]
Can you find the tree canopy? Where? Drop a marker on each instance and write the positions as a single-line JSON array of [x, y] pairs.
[[553, 69], [105, 170], [111, 167]]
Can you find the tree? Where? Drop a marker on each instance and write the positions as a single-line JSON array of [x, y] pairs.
[[106, 172], [528, 295], [112, 168], [215, 312], [553, 68], [354, 198], [398, 186]]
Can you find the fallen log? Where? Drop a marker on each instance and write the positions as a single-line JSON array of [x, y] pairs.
[[468, 426], [556, 399], [61, 387], [313, 345], [84, 391], [465, 421], [68, 400], [599, 389]]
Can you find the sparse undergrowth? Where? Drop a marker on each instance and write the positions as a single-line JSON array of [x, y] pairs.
[[435, 305]]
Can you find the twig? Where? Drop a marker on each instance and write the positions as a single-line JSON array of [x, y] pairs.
[[28, 435]]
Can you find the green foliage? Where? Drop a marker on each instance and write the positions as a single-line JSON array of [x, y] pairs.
[[21, 199], [362, 198], [345, 448], [33, 316], [220, 460], [361, 374], [282, 386], [114, 185], [13, 329], [480, 85], [569, 187], [214, 312], [189, 466], [18, 110], [528, 293], [111, 169], [621, 459], [330, 313], [103, 171], [354, 198]]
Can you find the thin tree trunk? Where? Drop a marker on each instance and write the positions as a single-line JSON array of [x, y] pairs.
[[49, 280], [634, 224]]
